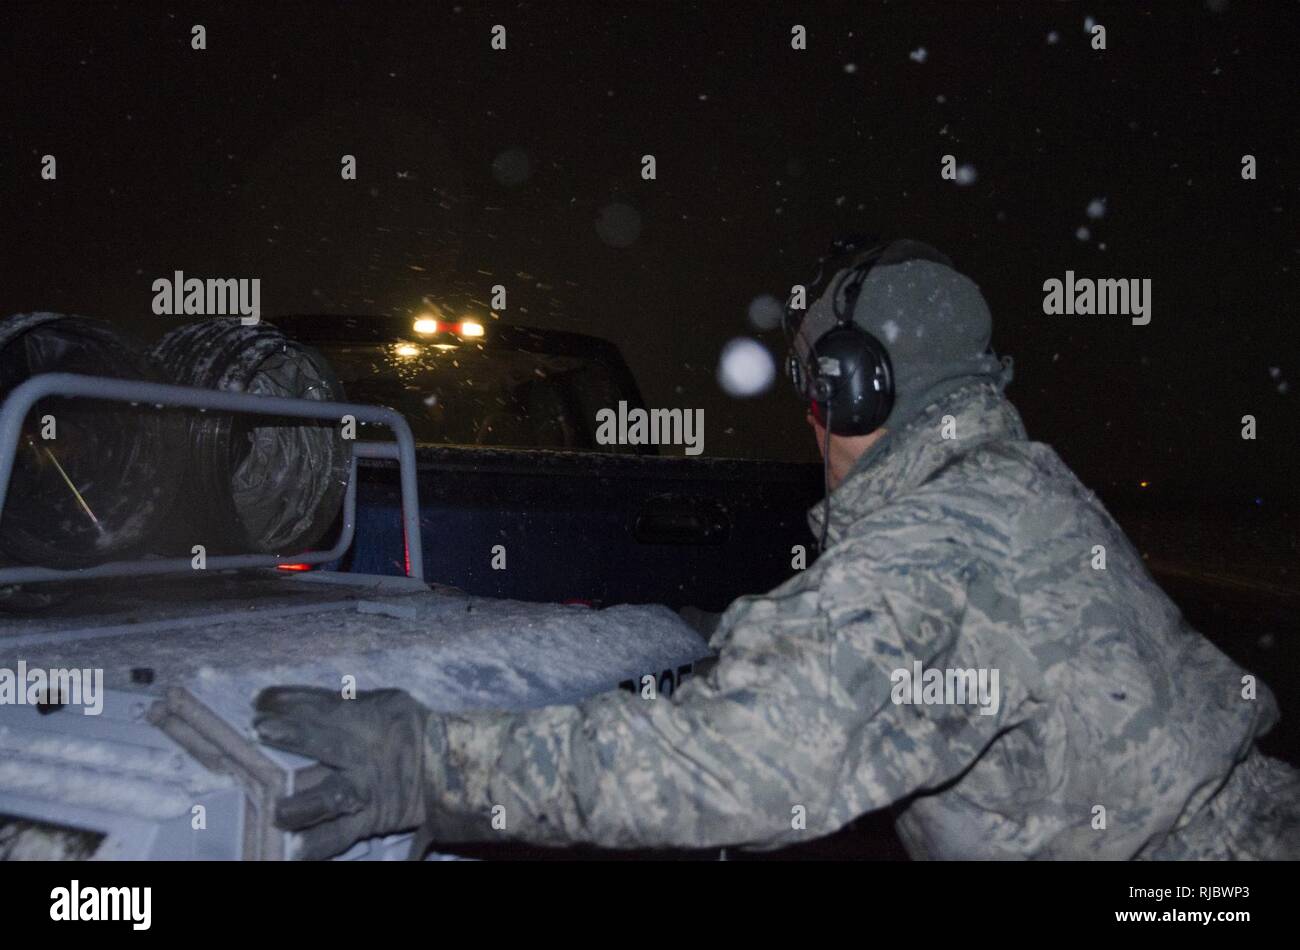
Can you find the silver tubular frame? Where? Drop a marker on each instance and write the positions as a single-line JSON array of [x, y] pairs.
[[25, 396]]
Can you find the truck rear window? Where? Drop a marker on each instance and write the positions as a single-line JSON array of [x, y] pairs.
[[467, 394]]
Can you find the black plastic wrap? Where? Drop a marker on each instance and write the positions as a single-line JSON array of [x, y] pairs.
[[119, 459], [256, 484]]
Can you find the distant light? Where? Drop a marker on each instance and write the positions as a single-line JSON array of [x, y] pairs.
[[425, 325], [1259, 501], [470, 328], [1143, 484], [407, 350]]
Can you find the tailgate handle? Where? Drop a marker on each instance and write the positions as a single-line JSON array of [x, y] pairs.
[[679, 519]]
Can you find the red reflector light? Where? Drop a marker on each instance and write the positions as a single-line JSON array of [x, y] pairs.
[[293, 567]]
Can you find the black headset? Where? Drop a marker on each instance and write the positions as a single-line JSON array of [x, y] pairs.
[[847, 377]]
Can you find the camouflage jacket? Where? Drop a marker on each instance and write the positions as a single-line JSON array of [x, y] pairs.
[[959, 550]]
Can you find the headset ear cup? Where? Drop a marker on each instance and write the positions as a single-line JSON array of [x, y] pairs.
[[854, 387], [854, 373], [882, 382]]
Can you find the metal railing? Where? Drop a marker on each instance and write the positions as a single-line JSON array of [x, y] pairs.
[[25, 396]]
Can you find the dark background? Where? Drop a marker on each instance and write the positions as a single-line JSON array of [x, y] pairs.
[[225, 162]]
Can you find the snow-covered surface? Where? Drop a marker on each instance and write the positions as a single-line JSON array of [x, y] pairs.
[[224, 639], [450, 650], [455, 653], [70, 771]]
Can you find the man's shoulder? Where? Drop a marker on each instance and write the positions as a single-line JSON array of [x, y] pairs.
[[910, 531], [994, 477], [976, 500]]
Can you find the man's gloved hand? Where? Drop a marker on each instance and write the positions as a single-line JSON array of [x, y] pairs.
[[375, 747]]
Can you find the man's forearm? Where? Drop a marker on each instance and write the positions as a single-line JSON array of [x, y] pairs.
[[620, 771]]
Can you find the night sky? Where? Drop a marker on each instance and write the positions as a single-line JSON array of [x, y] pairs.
[[479, 166]]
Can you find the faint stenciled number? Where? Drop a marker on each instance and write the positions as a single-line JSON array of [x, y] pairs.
[[664, 685]]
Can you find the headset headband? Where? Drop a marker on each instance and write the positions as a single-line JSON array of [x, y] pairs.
[[847, 251]]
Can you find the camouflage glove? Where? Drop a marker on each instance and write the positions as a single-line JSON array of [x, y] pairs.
[[375, 748]]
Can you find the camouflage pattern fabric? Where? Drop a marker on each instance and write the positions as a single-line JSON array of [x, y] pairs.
[[1115, 730]]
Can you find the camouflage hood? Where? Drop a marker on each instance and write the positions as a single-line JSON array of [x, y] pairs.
[[947, 428]]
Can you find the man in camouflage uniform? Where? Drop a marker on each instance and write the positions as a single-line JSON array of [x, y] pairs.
[[1115, 731]]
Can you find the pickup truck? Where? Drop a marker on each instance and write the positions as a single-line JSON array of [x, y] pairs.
[[518, 497]]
